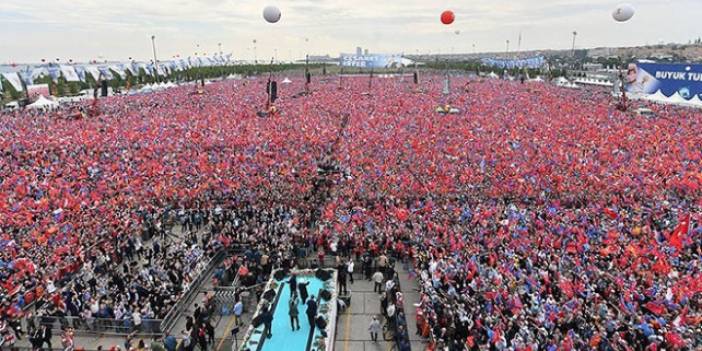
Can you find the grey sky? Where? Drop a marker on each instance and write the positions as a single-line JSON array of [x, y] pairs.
[[117, 29]]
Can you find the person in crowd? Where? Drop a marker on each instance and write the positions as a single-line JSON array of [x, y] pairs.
[[349, 269], [374, 328], [45, 336], [202, 337], [378, 278], [302, 286], [170, 342], [311, 311], [210, 329], [342, 279], [390, 314], [267, 319], [238, 312], [157, 344], [293, 284], [294, 312]]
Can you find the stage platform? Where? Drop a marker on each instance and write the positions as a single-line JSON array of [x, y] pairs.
[[283, 337]]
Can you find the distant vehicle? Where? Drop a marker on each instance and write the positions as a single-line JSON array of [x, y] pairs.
[[646, 112], [13, 105]]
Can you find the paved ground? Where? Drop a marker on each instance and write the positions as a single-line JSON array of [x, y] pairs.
[[352, 327]]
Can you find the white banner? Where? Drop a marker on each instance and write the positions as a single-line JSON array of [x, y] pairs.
[[119, 70], [14, 80], [159, 70], [106, 73], [69, 73], [39, 71], [128, 68], [93, 70], [138, 66]]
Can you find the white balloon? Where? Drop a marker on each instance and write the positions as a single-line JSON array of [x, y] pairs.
[[623, 13], [271, 14]]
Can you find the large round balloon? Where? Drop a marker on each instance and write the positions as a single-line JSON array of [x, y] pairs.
[[623, 13], [447, 17], [271, 14]]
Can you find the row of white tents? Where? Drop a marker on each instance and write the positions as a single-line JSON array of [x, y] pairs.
[[565, 83], [675, 99], [150, 88], [43, 103], [50, 103]]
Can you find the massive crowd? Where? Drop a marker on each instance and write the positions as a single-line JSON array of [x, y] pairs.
[[539, 217]]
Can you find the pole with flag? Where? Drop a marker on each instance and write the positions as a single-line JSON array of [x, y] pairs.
[[519, 42], [681, 232], [153, 46]]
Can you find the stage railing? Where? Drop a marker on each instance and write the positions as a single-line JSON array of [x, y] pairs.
[[182, 305], [126, 326], [100, 325], [400, 329]]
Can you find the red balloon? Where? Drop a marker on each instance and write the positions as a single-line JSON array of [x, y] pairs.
[[447, 17]]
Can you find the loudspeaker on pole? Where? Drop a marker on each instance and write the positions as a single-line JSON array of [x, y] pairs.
[[273, 90]]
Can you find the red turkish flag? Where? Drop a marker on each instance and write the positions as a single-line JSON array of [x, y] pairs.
[[675, 239], [656, 308]]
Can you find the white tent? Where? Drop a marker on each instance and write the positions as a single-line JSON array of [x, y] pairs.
[[14, 79], [43, 103], [560, 81], [677, 99], [146, 88], [286, 81], [493, 75], [657, 97], [12, 105], [695, 101]]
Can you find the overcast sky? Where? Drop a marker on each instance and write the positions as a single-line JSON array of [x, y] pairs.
[[117, 29]]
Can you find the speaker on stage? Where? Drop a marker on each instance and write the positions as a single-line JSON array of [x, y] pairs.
[[257, 321], [322, 274], [273, 90], [103, 87], [308, 77], [269, 295], [416, 78], [325, 295], [321, 323]]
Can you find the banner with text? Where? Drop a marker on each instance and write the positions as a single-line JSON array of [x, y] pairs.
[[649, 78], [373, 61], [531, 62]]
